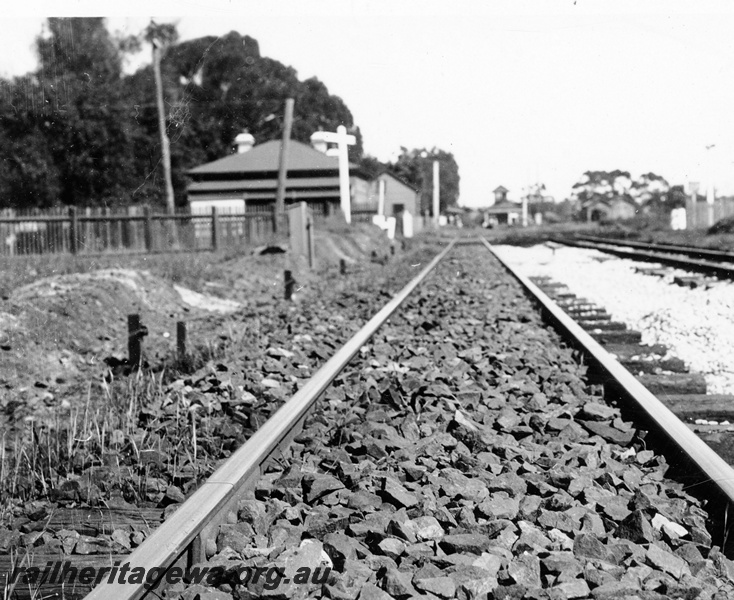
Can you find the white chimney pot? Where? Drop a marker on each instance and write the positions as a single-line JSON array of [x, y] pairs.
[[318, 142], [245, 141]]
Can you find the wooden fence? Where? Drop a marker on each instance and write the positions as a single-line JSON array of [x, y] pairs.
[[137, 229], [701, 214]]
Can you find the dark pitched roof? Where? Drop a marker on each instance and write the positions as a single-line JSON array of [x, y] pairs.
[[264, 158], [506, 204], [500, 189]]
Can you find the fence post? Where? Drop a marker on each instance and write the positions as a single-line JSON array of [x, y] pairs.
[[148, 229], [181, 339], [309, 241], [73, 229], [215, 229], [290, 283], [135, 333]]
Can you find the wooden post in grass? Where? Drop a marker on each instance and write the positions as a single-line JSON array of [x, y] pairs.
[[290, 283], [215, 229], [73, 230], [181, 340], [148, 229], [135, 333], [342, 266], [310, 242], [283, 163], [436, 194]]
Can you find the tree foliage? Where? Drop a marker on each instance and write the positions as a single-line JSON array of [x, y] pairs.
[[602, 185], [79, 131], [415, 167]]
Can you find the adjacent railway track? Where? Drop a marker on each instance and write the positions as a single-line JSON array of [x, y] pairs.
[[488, 435], [701, 260]]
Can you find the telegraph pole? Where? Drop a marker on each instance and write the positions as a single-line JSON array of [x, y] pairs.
[[283, 162], [165, 149], [436, 196], [710, 189]]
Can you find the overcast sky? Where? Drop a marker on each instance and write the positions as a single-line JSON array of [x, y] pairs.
[[519, 91]]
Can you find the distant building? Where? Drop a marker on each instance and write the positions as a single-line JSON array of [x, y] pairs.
[[503, 211], [500, 194], [399, 197], [247, 181], [618, 208]]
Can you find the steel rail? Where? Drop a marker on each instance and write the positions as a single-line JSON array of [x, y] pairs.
[[167, 544], [689, 264], [711, 465], [706, 253]]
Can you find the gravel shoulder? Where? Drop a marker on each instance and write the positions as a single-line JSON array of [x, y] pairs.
[[696, 324]]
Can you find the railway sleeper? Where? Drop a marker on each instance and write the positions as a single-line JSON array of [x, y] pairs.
[[653, 271], [578, 303], [691, 282], [711, 407], [589, 315], [674, 383], [654, 365], [720, 438], [616, 337], [602, 325], [624, 351]]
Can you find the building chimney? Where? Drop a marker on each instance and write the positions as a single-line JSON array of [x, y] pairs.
[[244, 142], [318, 142]]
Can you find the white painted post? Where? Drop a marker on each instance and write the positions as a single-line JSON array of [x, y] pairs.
[[346, 200], [436, 204], [381, 197], [525, 211], [343, 141], [297, 220], [693, 217], [710, 190], [407, 224]]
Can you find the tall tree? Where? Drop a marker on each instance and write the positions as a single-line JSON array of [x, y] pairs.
[[159, 37], [602, 185], [85, 124], [415, 167], [649, 186], [28, 174], [77, 131]]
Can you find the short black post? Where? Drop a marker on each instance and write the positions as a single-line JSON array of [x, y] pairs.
[[392, 249], [215, 229], [73, 230], [148, 221], [181, 339], [342, 266], [290, 283], [135, 333]]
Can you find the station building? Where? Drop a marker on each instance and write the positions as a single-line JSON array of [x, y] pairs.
[[503, 211], [246, 182]]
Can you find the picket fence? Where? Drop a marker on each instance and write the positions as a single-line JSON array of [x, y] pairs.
[[133, 229]]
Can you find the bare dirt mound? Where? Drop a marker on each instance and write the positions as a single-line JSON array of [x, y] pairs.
[[58, 330], [56, 326]]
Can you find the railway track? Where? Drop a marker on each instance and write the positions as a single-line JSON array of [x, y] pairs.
[[463, 456], [689, 258]]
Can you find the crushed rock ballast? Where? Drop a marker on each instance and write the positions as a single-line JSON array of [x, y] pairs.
[[462, 455]]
